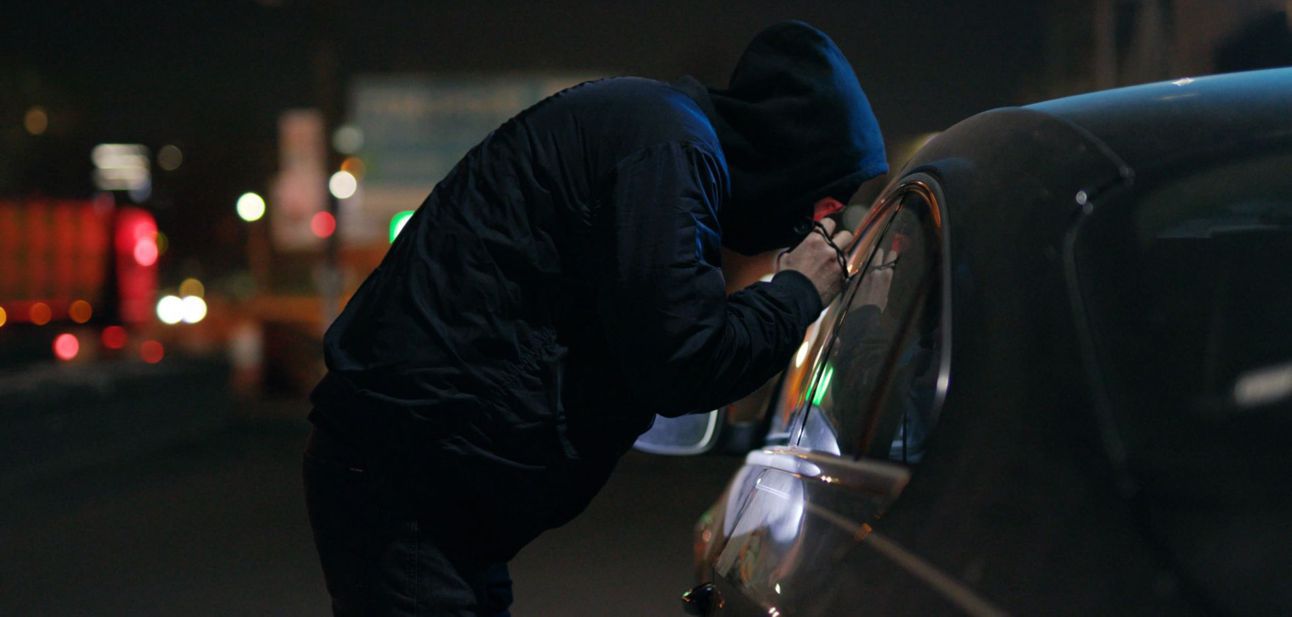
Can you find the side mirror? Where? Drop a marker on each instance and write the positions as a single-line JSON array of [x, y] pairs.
[[681, 436], [733, 429]]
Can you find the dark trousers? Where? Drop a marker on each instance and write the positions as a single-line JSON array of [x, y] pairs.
[[379, 554]]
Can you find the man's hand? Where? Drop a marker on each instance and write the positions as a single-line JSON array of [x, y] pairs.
[[817, 260]]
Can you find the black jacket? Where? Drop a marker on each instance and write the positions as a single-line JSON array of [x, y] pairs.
[[562, 285]]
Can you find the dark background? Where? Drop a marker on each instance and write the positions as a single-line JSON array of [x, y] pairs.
[[212, 77], [134, 489]]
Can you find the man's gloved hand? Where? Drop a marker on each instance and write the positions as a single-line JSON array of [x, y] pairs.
[[818, 260]]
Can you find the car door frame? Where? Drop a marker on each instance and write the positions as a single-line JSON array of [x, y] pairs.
[[871, 476]]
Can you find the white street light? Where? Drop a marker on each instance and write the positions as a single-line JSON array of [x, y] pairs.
[[251, 207], [343, 184]]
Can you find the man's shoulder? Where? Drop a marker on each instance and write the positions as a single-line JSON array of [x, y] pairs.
[[630, 90], [651, 110]]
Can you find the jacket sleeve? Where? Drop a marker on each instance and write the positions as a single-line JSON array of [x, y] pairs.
[[683, 345]]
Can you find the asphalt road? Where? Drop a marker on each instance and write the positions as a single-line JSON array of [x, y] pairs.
[[216, 526]]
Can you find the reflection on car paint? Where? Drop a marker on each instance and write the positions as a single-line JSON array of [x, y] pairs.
[[810, 533]]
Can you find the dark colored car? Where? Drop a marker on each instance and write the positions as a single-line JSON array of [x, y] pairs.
[[1060, 380]]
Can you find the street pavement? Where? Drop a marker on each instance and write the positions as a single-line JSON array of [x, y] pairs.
[[216, 526]]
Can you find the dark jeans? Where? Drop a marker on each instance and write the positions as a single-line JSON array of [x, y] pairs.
[[378, 552]]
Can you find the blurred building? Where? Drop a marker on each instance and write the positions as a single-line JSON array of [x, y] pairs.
[[1099, 44], [339, 117]]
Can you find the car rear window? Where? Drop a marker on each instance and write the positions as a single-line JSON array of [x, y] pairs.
[[1188, 288]]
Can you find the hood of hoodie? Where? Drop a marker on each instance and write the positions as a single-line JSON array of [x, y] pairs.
[[795, 126]]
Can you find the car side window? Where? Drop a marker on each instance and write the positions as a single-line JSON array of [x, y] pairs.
[[788, 407], [875, 389]]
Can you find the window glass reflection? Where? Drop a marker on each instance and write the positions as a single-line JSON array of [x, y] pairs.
[[874, 394], [804, 368]]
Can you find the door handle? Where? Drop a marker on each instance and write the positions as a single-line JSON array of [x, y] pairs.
[[702, 599]]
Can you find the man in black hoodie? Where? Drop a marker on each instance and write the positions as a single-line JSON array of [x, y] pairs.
[[555, 291]]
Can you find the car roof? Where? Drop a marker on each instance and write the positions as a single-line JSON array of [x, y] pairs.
[[1151, 125]]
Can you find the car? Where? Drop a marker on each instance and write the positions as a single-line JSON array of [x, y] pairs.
[[1059, 379]]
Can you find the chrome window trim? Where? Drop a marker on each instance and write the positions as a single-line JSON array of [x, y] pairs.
[[933, 193], [869, 475]]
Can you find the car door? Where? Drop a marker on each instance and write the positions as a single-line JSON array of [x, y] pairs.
[[853, 414]]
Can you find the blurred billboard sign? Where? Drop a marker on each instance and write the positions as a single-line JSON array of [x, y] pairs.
[[56, 254], [122, 167], [300, 189], [416, 127]]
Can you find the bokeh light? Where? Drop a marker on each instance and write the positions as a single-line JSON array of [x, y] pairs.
[[145, 251], [354, 166], [397, 223], [122, 167], [80, 311], [36, 121], [141, 193], [40, 313], [170, 310], [114, 337], [3, 316], [343, 184], [251, 207], [347, 139], [323, 224], [192, 309], [170, 157], [152, 352], [163, 243], [192, 287], [66, 346]]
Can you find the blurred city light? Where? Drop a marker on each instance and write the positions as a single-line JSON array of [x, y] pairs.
[[192, 309], [122, 167], [114, 337], [40, 313], [343, 184], [354, 166], [36, 121], [170, 310], [397, 223], [170, 157], [135, 239], [151, 352], [347, 139], [141, 193], [66, 346], [251, 207], [323, 224], [192, 287], [146, 250], [80, 311], [3, 316]]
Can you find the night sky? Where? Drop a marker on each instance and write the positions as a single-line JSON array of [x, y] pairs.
[[213, 76]]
